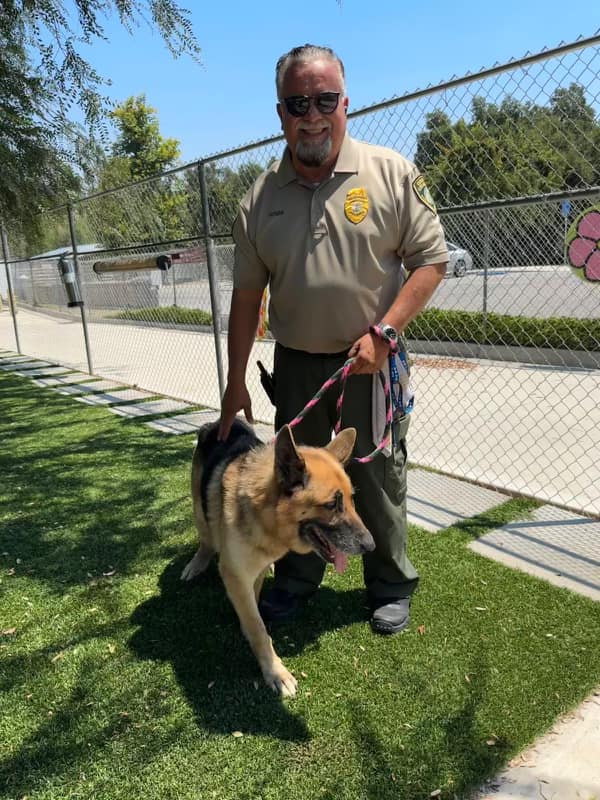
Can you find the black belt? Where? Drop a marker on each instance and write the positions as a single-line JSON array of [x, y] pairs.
[[292, 351]]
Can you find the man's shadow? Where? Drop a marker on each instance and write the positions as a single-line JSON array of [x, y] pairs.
[[194, 627]]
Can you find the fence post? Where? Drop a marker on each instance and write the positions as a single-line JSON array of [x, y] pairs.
[[11, 297], [81, 307], [486, 265], [32, 284], [174, 284], [212, 278]]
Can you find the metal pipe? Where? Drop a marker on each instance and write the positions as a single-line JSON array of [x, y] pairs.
[[212, 279], [11, 299], [81, 307], [486, 266], [530, 200], [174, 284]]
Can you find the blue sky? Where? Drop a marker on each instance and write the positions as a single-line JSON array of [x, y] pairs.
[[388, 47]]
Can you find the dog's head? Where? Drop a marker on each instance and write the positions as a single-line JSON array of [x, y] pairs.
[[315, 498]]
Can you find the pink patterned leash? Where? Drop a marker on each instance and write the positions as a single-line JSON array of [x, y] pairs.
[[341, 375]]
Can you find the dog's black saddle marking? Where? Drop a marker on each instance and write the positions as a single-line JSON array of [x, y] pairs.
[[215, 453]]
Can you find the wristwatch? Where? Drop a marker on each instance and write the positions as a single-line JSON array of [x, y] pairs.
[[389, 331]]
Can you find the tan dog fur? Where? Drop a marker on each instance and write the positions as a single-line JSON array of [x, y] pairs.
[[260, 506]]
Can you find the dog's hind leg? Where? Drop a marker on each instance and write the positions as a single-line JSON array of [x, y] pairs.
[[199, 562], [240, 590]]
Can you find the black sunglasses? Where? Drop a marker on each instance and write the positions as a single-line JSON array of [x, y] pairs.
[[298, 105]]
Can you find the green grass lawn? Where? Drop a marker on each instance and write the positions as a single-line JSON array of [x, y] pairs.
[[118, 681]]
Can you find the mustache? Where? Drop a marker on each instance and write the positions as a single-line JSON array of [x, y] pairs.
[[314, 128]]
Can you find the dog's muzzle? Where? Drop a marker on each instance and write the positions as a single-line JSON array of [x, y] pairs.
[[328, 538]]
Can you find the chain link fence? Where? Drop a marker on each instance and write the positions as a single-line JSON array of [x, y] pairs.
[[506, 357]]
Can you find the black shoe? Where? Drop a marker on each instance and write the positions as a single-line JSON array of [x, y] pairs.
[[390, 615], [279, 605]]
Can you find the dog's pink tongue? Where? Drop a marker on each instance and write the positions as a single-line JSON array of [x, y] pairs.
[[340, 561]]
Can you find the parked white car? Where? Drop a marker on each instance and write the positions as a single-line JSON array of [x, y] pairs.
[[460, 260]]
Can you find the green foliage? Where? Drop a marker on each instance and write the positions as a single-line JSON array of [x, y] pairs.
[[139, 140], [510, 150], [52, 30], [43, 158], [437, 325], [149, 212], [33, 170], [168, 207], [225, 187]]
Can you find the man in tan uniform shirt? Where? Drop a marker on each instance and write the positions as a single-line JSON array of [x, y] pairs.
[[328, 228]]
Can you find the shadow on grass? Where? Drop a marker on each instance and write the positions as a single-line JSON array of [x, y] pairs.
[[496, 517], [194, 628], [468, 755], [81, 494]]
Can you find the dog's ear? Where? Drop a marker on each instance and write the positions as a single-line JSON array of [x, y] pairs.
[[342, 446], [290, 468]]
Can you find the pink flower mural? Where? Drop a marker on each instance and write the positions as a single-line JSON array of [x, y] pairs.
[[584, 248]]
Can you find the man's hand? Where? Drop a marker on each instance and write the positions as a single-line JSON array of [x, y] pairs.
[[236, 398], [370, 354]]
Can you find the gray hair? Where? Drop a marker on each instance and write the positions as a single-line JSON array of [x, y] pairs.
[[307, 52]]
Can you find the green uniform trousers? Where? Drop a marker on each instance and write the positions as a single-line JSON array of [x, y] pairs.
[[380, 486]]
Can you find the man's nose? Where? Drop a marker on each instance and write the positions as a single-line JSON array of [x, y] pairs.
[[313, 112]]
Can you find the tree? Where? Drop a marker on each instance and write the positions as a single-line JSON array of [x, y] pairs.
[[139, 140], [43, 76], [31, 163], [225, 188], [507, 150], [52, 29], [150, 211], [512, 149]]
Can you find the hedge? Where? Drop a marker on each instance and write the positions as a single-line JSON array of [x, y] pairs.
[[167, 314], [437, 325], [559, 333]]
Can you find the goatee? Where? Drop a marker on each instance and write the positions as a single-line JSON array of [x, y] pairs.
[[313, 154]]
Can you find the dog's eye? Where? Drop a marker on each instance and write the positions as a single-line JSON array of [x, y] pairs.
[[337, 504]]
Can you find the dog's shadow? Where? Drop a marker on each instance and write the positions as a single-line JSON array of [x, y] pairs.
[[194, 627]]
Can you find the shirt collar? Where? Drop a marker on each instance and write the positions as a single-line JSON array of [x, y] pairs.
[[347, 162]]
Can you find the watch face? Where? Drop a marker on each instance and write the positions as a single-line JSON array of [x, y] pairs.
[[389, 331]]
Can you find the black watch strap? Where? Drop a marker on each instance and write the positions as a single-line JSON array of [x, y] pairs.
[[387, 333]]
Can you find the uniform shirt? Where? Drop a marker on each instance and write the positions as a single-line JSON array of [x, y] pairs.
[[332, 253]]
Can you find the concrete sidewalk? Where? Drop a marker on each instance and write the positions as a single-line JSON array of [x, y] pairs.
[[564, 764]]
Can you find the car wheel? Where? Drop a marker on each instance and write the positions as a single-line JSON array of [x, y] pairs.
[[460, 268]]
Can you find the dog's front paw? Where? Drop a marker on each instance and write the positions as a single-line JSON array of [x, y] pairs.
[[281, 680]]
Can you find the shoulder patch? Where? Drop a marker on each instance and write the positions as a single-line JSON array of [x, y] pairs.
[[356, 205], [423, 193]]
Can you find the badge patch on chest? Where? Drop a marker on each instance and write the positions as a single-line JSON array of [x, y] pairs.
[[424, 194], [356, 205]]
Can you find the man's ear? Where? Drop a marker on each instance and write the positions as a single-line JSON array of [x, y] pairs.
[[290, 468], [342, 446]]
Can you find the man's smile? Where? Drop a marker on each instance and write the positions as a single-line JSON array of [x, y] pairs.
[[313, 133]]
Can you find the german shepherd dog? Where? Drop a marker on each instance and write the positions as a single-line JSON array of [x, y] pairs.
[[253, 503]]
